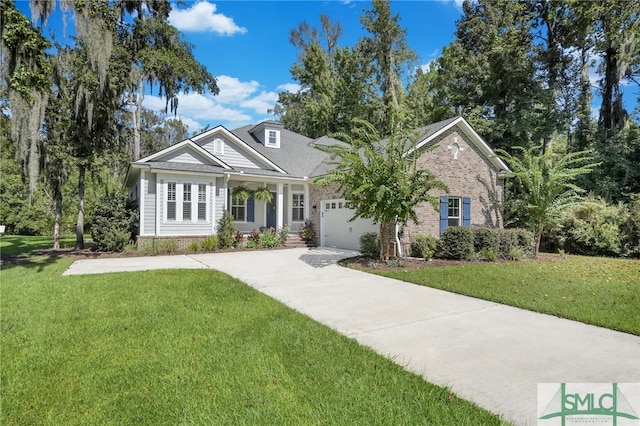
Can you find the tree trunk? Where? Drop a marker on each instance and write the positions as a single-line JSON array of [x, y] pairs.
[[80, 222], [136, 114], [57, 200]]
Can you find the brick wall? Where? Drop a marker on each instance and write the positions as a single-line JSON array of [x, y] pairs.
[[469, 175]]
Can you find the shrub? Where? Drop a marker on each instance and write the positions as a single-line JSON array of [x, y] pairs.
[[486, 239], [283, 234], [269, 239], [630, 230], [423, 246], [239, 239], [210, 243], [370, 245], [165, 246], [489, 254], [113, 224], [254, 236], [456, 242], [593, 228], [307, 233], [194, 247], [226, 231]]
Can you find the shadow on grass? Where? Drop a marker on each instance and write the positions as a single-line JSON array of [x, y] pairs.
[[36, 252]]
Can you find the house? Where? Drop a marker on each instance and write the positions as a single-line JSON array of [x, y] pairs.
[[183, 190]]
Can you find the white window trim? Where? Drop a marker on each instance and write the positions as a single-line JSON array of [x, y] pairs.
[[267, 138], [197, 201], [459, 217], [218, 146], [165, 196], [180, 201], [304, 200], [244, 220]]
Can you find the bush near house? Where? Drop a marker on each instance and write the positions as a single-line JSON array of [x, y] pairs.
[[597, 228], [370, 245], [485, 243], [114, 224], [424, 246]]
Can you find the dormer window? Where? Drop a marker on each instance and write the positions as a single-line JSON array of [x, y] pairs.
[[273, 137], [268, 133]]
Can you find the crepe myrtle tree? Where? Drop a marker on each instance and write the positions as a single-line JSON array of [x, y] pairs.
[[544, 185], [380, 178]]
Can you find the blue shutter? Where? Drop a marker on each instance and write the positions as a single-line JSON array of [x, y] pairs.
[[251, 208], [444, 213], [466, 212]]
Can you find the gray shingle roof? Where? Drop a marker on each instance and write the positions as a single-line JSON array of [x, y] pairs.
[[296, 155]]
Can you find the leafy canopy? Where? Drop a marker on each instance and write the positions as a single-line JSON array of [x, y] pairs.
[[546, 184], [380, 178]]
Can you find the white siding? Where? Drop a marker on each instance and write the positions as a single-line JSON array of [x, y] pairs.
[[189, 226], [233, 156], [184, 155], [149, 190]]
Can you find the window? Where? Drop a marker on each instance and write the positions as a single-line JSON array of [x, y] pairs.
[[239, 209], [186, 201], [297, 207], [202, 201], [454, 211], [218, 147], [171, 201], [273, 137]]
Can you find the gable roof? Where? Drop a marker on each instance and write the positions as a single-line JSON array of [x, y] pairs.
[[189, 144], [242, 144], [296, 155], [433, 131]]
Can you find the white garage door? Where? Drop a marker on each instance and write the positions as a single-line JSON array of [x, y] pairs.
[[337, 231]]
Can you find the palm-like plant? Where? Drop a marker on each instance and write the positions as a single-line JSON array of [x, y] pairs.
[[380, 178], [546, 184]]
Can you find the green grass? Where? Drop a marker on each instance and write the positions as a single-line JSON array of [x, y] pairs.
[[14, 245], [599, 291], [191, 347]]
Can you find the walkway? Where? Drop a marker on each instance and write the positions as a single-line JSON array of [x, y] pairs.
[[491, 354]]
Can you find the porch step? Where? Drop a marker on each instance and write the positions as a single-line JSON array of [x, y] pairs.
[[294, 240]]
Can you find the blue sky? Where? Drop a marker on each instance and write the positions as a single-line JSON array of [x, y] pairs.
[[245, 44]]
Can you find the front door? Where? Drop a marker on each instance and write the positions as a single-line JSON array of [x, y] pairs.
[[271, 211]]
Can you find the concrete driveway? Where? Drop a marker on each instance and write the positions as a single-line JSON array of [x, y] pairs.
[[491, 354]]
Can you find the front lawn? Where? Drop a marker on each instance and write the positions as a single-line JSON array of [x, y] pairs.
[[14, 245], [190, 347], [593, 290]]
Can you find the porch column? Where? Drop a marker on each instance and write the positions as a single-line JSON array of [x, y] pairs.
[[280, 206], [306, 201], [140, 195], [159, 194]]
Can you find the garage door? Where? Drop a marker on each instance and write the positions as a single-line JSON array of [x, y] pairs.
[[337, 231]]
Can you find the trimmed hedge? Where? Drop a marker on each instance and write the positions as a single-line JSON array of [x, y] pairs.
[[485, 243], [424, 246], [456, 242]]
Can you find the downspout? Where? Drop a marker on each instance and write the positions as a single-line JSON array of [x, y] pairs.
[[398, 243], [227, 176]]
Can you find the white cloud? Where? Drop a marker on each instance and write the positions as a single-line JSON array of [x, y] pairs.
[[234, 91], [261, 103], [196, 109], [289, 87], [202, 17]]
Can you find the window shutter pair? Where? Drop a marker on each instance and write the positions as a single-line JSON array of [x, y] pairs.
[[444, 212]]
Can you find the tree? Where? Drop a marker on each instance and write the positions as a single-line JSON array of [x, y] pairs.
[[380, 178], [24, 72], [388, 48], [545, 185], [335, 82]]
